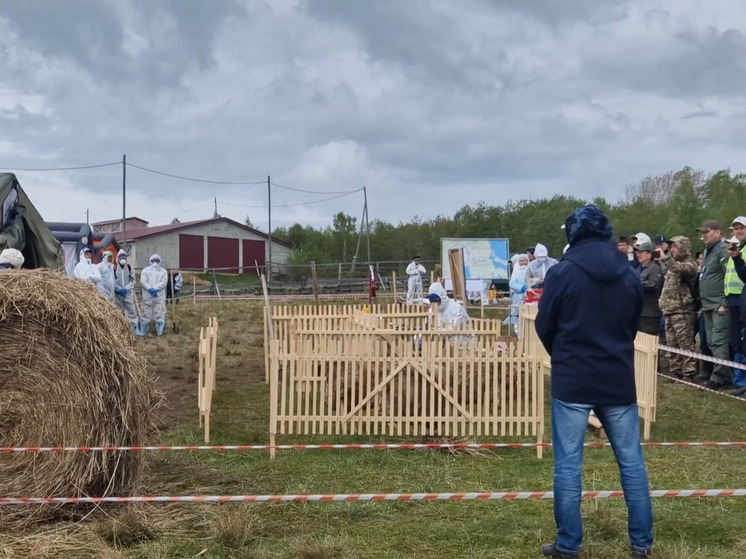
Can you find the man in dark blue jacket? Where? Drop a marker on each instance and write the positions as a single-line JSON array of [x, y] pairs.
[[588, 318]]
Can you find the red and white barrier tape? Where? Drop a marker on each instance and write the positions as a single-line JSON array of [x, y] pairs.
[[350, 446], [367, 497], [701, 387], [702, 357]]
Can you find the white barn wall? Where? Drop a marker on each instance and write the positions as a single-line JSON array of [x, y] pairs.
[[166, 245]]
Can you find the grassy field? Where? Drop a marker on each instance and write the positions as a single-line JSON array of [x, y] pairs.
[[685, 528]]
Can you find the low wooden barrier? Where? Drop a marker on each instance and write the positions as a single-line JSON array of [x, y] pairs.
[[282, 321], [646, 363], [208, 344], [403, 382]]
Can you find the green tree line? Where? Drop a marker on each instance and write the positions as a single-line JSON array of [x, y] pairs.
[[672, 203]]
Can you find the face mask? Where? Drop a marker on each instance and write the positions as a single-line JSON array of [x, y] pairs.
[[156, 264], [122, 262], [88, 259], [541, 259]]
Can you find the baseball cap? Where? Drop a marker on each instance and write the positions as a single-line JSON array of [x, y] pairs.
[[710, 225], [661, 239], [733, 241], [644, 246], [740, 219]]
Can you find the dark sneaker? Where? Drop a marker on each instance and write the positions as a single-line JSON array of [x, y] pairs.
[[637, 554], [550, 550], [712, 385], [740, 391]]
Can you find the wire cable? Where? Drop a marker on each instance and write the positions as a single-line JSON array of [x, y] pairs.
[[61, 168], [291, 205], [192, 179], [315, 191]]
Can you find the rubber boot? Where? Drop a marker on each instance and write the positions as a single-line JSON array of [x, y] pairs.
[[160, 326], [144, 327]]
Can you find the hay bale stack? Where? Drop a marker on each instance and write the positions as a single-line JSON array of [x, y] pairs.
[[70, 375]]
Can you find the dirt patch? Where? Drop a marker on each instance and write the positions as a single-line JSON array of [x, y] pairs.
[[174, 362]]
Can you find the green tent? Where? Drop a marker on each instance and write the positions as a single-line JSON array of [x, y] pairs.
[[22, 228]]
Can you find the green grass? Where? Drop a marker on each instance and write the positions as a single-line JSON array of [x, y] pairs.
[[685, 528]]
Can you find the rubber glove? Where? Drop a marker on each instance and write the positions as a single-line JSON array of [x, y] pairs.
[[153, 292], [523, 288]]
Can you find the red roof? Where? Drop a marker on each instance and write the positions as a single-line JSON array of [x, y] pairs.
[[146, 232]]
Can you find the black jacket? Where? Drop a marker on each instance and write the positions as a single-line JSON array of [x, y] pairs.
[[588, 318]]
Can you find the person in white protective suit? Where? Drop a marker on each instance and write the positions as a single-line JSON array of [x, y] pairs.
[[153, 281], [11, 258], [414, 285], [85, 270], [517, 289], [124, 289], [106, 269], [537, 269], [450, 313]]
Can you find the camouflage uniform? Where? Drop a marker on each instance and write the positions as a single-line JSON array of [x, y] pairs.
[[677, 305]]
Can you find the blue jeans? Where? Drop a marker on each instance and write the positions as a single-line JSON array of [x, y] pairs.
[[622, 426]]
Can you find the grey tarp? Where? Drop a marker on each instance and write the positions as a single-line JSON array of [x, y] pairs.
[[23, 228]]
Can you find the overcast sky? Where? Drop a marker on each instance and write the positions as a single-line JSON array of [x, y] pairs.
[[432, 104]]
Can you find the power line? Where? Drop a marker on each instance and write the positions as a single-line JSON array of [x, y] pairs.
[[172, 214], [62, 168], [316, 191], [292, 205], [192, 179]]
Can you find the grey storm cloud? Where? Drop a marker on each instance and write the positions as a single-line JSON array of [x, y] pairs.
[[431, 104]]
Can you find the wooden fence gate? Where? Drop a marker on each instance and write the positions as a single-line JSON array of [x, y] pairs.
[[403, 382]]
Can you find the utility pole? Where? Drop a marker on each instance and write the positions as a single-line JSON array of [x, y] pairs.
[[268, 266], [367, 221], [215, 214], [87, 216], [124, 201]]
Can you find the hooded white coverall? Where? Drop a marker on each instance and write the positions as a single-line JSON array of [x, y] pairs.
[[153, 281], [414, 285], [537, 269], [124, 289], [11, 258], [86, 271], [517, 289], [450, 313], [106, 286]]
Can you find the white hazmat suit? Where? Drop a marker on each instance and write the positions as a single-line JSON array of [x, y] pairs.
[[85, 270], [450, 313], [106, 269], [124, 289], [517, 290], [153, 281], [11, 258], [537, 269], [414, 285]]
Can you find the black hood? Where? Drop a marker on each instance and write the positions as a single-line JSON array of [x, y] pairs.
[[599, 259]]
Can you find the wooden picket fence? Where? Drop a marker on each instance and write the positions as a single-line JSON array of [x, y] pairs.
[[208, 345], [378, 373], [281, 322], [646, 363]]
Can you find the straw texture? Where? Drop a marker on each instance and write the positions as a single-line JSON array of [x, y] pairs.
[[70, 374]]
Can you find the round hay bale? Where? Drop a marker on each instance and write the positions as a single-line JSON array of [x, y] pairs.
[[70, 375]]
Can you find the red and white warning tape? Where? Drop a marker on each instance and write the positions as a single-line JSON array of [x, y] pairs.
[[349, 446], [702, 357], [367, 497], [701, 387]]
